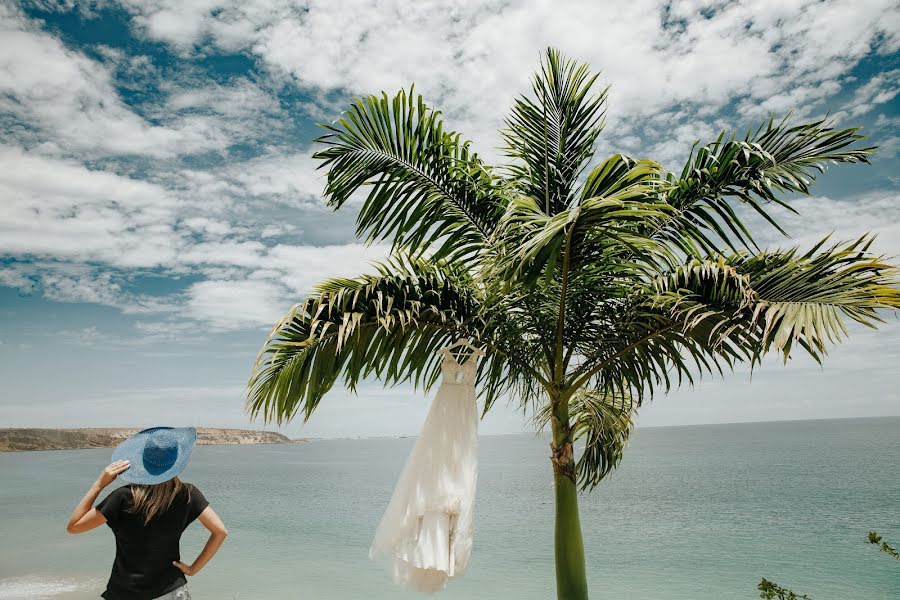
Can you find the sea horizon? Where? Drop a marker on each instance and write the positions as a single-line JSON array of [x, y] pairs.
[[638, 426]]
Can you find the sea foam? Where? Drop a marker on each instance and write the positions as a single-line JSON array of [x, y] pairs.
[[35, 587]]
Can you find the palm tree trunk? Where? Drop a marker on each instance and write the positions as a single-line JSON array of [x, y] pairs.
[[571, 577]]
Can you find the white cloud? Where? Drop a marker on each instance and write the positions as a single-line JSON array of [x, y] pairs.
[[880, 89], [290, 177], [96, 194], [846, 219], [89, 232], [230, 252], [241, 98], [677, 138], [101, 289], [282, 276], [471, 58], [71, 98], [240, 111], [58, 208], [185, 25], [181, 28], [277, 229], [800, 99], [245, 285], [304, 266], [209, 228], [61, 281], [15, 278], [72, 105], [236, 304], [674, 76]]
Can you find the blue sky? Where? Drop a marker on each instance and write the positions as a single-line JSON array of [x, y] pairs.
[[159, 209]]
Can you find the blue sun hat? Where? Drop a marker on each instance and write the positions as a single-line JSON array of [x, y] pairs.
[[157, 454]]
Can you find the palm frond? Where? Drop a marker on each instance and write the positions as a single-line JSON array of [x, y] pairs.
[[777, 158], [552, 135], [428, 189], [603, 425], [388, 324], [620, 195], [774, 300], [645, 350]]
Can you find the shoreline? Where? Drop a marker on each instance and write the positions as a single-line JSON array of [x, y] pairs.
[[35, 439], [87, 438]]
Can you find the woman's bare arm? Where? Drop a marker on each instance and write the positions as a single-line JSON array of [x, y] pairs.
[[85, 517], [217, 535]]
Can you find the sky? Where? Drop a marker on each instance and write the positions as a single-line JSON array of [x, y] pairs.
[[160, 209]]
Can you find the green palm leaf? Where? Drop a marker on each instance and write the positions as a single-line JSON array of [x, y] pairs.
[[773, 300], [552, 135], [620, 194], [427, 187], [603, 424], [387, 324], [776, 158]]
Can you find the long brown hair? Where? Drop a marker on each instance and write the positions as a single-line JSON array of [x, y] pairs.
[[154, 499]]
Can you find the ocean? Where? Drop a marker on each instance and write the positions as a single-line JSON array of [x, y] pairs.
[[698, 512]]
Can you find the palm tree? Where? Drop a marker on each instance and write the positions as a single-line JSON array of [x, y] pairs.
[[587, 288]]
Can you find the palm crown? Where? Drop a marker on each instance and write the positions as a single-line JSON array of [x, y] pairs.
[[587, 286]]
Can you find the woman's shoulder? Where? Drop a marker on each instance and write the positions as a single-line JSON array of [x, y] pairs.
[[189, 490], [123, 492], [196, 501], [115, 500]]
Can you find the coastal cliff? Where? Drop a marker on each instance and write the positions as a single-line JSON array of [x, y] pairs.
[[12, 440]]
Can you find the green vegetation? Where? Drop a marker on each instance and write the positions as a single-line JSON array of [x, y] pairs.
[[769, 590], [876, 539], [589, 286]]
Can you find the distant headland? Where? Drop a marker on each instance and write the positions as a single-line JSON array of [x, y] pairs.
[[14, 440]]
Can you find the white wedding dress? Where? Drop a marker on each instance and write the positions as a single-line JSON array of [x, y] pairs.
[[426, 531]]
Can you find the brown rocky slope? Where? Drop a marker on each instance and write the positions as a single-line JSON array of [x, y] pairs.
[[12, 440]]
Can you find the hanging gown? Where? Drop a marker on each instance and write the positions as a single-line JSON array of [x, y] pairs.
[[426, 531]]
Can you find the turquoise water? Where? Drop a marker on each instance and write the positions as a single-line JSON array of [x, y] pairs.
[[693, 513]]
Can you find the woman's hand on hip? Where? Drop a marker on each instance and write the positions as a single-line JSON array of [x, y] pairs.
[[188, 570], [110, 473]]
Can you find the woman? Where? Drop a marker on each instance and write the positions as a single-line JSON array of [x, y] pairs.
[[148, 516]]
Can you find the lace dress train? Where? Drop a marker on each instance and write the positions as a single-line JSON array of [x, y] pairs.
[[426, 531]]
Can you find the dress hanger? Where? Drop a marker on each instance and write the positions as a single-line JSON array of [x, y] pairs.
[[464, 343]]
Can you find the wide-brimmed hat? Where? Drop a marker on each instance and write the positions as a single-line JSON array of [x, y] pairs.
[[157, 454]]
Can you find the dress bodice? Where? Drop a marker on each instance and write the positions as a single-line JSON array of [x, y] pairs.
[[463, 373]]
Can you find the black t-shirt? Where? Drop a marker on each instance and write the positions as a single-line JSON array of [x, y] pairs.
[[143, 569]]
